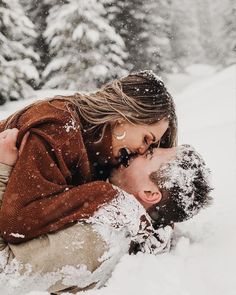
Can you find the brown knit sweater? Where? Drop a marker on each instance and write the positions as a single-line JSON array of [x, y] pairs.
[[52, 184]]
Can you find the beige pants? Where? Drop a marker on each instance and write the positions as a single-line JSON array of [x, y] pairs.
[[74, 246]]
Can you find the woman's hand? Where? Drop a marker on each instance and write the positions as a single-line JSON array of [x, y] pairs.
[[8, 151]]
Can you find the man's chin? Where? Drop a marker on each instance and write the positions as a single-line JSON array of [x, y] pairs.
[[114, 177]]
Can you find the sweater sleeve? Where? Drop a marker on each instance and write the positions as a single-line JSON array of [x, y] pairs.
[[40, 197]]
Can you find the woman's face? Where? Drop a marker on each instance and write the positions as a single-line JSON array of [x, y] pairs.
[[129, 139]]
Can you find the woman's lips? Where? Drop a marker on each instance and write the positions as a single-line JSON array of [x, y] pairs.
[[124, 157]]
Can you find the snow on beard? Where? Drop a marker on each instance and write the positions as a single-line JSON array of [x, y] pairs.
[[185, 183]]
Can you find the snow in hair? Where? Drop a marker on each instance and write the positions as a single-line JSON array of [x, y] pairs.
[[187, 182], [149, 74]]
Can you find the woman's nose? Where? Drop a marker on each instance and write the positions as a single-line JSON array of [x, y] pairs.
[[142, 150]]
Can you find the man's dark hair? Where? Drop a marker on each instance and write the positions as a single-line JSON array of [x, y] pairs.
[[185, 187]]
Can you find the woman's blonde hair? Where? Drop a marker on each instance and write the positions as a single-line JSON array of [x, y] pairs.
[[139, 98]]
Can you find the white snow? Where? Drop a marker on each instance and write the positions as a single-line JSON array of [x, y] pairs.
[[71, 125], [200, 70], [17, 235], [126, 214], [204, 257], [119, 223]]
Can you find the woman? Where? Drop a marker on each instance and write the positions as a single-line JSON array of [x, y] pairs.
[[73, 144]]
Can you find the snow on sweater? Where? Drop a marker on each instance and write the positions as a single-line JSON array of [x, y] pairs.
[[120, 223]]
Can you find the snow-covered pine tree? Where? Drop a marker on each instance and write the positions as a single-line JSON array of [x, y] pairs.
[[223, 15], [218, 30], [186, 46], [86, 51], [230, 33], [145, 28], [37, 11], [17, 57], [128, 18], [158, 30], [205, 17]]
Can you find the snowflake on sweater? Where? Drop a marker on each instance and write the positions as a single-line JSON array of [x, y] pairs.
[[71, 125]]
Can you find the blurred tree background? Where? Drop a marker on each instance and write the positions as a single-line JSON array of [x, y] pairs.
[[81, 44]]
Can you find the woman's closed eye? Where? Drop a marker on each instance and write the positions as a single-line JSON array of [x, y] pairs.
[[145, 140], [149, 153]]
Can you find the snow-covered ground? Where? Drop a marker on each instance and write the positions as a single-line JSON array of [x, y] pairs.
[[203, 261], [196, 72]]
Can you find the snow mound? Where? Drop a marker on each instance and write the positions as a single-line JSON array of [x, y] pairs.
[[200, 70]]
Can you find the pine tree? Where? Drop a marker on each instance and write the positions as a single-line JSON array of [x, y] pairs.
[[186, 45], [205, 17], [223, 15], [86, 51], [145, 27], [37, 11], [159, 35], [128, 18], [17, 70], [230, 33]]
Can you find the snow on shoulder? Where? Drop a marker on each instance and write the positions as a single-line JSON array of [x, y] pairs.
[[129, 222]]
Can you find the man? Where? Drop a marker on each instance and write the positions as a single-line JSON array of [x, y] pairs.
[[171, 184]]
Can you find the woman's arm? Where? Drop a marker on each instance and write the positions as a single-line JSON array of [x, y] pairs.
[[8, 157], [41, 196], [8, 150]]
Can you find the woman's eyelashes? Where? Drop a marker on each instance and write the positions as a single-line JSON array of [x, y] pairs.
[[149, 139], [145, 141], [149, 153]]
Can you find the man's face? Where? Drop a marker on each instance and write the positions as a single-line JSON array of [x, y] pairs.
[[136, 178]]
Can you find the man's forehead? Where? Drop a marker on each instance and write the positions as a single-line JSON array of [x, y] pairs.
[[166, 154]]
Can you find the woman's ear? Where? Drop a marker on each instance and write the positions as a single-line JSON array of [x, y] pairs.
[[150, 198]]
